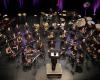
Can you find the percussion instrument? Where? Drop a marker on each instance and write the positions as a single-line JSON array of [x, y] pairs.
[[81, 22], [97, 27], [90, 24], [88, 18]]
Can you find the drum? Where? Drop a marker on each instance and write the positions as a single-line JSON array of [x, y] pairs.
[[81, 22], [97, 27], [90, 24], [88, 19]]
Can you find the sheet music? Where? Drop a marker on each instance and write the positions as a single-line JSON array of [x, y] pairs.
[[52, 53]]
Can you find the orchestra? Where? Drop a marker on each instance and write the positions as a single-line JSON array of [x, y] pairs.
[[71, 36]]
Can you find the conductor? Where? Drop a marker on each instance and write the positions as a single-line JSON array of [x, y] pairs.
[[54, 56]]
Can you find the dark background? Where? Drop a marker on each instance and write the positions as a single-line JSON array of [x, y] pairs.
[[45, 5]]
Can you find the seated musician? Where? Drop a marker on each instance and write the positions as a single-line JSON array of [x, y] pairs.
[[26, 26], [63, 35], [51, 36], [39, 45], [51, 44], [19, 38], [63, 47], [10, 52], [14, 45], [36, 27], [46, 26], [17, 28], [28, 37], [28, 53]]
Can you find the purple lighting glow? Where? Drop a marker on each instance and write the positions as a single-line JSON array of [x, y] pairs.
[[60, 5], [6, 3], [35, 3], [96, 6], [20, 2]]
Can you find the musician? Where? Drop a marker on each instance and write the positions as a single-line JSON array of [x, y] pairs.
[[10, 52], [40, 45], [36, 27], [28, 36], [63, 35], [46, 26], [17, 28], [19, 38], [51, 36], [15, 46], [26, 26], [28, 55], [51, 44]]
